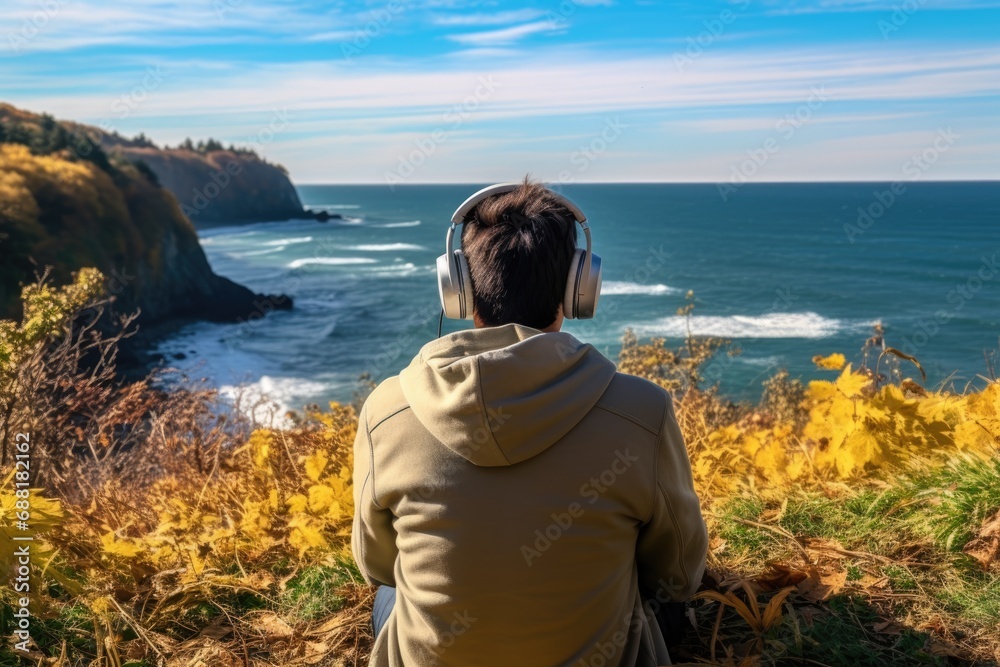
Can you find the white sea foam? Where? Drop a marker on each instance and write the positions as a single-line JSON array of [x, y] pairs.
[[620, 287], [331, 261], [385, 247], [767, 362], [317, 304], [268, 399], [213, 236], [255, 383], [399, 269], [284, 242], [252, 253], [771, 325], [394, 225]]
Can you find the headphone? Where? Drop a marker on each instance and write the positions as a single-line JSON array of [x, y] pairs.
[[583, 285]]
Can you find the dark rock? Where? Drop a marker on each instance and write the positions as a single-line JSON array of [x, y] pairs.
[[134, 232]]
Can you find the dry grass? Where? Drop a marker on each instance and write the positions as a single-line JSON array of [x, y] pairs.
[[180, 534]]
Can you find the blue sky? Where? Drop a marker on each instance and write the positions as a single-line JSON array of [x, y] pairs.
[[569, 90]]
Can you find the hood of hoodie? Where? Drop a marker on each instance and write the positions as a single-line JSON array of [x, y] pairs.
[[501, 395]]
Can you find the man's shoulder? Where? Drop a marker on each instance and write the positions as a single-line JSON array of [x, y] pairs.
[[637, 400], [385, 401]]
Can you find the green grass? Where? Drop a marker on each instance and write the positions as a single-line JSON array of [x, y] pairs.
[[845, 637], [960, 497], [913, 530], [312, 593]]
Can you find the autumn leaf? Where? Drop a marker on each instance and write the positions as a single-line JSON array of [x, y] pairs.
[[833, 362], [115, 547], [315, 465]]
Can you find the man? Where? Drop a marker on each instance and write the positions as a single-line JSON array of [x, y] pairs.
[[523, 499]]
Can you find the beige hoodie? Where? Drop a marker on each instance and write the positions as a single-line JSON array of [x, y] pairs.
[[520, 493]]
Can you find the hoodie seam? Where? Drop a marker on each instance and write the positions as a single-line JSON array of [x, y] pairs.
[[388, 417], [682, 546], [632, 418], [371, 462], [486, 416], [361, 542], [656, 458]]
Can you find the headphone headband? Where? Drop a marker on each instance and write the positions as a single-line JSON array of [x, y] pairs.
[[503, 188], [583, 286]]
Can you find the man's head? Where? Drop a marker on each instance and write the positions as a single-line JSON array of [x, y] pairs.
[[519, 246]]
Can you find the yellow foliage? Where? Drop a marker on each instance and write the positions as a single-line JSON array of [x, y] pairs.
[[115, 547], [265, 504], [315, 465], [852, 430], [834, 362], [47, 310]]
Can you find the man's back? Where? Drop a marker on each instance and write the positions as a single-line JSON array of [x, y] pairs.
[[519, 493]]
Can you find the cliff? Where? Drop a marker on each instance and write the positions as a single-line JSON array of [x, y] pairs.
[[222, 186], [66, 203]]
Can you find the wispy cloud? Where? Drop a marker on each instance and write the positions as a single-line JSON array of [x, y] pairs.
[[548, 85], [74, 24], [503, 35], [768, 122], [561, 69], [499, 18]]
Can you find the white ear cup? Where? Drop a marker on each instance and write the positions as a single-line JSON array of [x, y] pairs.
[[572, 284], [464, 284], [455, 282], [455, 286], [580, 300], [586, 305]]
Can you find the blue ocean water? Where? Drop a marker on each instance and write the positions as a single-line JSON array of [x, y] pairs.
[[787, 271]]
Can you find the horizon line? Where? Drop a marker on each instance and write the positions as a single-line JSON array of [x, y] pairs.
[[740, 185]]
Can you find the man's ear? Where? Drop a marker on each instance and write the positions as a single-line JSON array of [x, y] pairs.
[[556, 323]]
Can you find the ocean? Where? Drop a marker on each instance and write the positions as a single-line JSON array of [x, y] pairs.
[[787, 271]]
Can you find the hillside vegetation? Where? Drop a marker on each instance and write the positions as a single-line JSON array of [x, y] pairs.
[[66, 204], [214, 184], [222, 185], [854, 521]]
